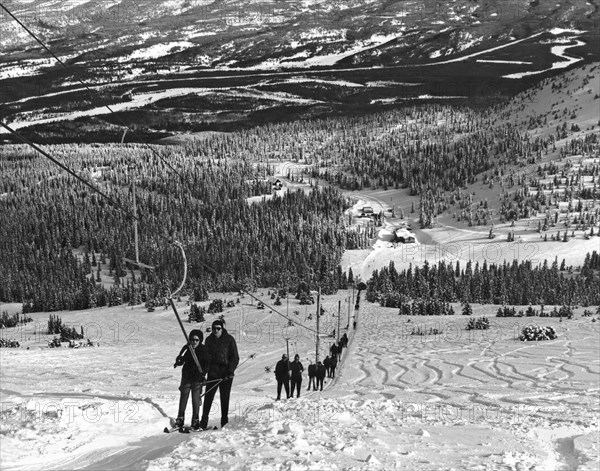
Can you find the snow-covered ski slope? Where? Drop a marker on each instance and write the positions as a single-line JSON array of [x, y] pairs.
[[457, 400]]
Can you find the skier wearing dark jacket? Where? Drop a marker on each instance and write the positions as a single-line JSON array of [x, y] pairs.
[[312, 374], [191, 377], [282, 376], [221, 361], [333, 365], [320, 375], [296, 370], [327, 365]]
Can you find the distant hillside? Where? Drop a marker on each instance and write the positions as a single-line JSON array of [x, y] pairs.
[[172, 67], [255, 33], [572, 97]]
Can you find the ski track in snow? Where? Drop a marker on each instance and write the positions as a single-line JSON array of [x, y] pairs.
[[485, 400]]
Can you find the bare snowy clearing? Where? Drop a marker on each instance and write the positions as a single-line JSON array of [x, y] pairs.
[[462, 400], [450, 242]]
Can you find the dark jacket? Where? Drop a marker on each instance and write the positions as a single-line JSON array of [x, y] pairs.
[[312, 370], [281, 370], [222, 356], [296, 369], [327, 362], [320, 371], [334, 361], [190, 369]]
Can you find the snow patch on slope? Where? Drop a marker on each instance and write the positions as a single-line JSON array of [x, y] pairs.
[[558, 51], [156, 50], [326, 59]]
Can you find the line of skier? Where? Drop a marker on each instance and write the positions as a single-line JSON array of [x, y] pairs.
[[289, 374], [219, 358]]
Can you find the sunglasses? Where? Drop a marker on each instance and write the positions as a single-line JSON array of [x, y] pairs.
[[216, 328], [196, 340]]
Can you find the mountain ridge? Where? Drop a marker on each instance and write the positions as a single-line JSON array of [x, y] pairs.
[[192, 66], [244, 33]]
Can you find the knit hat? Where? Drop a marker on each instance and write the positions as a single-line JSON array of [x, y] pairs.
[[196, 333], [218, 322]]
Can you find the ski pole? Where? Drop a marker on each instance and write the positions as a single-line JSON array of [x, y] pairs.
[[250, 357], [220, 380]]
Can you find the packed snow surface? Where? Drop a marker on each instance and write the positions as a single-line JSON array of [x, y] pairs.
[[458, 400]]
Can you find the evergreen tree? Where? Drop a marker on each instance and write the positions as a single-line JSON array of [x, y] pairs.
[[467, 309]]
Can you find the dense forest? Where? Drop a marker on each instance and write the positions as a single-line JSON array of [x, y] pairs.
[[507, 283], [55, 233], [434, 151]]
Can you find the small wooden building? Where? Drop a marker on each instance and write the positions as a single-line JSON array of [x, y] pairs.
[[404, 236], [366, 211]]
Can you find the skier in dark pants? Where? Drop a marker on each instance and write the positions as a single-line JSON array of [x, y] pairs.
[[320, 375], [333, 365], [312, 374], [282, 375], [221, 361], [336, 350], [327, 365], [191, 378], [296, 370]]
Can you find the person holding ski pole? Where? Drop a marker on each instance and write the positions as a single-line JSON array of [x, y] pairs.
[[191, 378], [221, 361]]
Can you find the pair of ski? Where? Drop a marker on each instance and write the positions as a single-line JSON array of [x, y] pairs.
[[187, 429]]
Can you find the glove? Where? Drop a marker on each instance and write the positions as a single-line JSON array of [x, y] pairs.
[[229, 374]]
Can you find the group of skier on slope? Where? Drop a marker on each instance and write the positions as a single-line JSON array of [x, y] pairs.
[[219, 358], [289, 374]]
